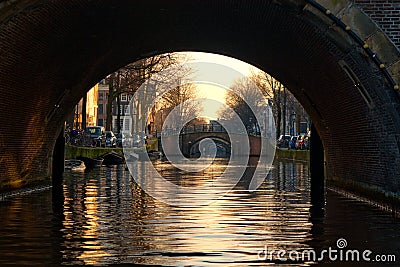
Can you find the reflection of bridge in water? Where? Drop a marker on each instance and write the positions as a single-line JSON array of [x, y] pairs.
[[195, 140]]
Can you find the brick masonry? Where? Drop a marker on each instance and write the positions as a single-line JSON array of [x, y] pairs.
[[386, 13], [52, 52]]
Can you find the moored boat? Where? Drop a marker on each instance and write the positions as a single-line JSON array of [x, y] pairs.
[[112, 158], [91, 163], [74, 165]]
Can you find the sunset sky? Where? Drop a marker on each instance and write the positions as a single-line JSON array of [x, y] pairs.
[[204, 74]]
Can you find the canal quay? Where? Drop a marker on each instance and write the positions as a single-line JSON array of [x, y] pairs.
[[200, 133]]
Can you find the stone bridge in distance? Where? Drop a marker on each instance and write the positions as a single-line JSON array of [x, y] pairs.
[[191, 137]]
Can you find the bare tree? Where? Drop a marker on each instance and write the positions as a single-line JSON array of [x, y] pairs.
[[166, 75], [182, 99], [129, 78], [284, 104], [276, 91], [244, 100]]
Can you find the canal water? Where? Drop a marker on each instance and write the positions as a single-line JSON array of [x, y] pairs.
[[107, 219]]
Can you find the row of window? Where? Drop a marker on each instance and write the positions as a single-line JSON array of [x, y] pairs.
[[124, 109], [124, 126], [124, 97]]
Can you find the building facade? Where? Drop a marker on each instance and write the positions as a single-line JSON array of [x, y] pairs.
[[125, 113], [91, 109], [102, 103]]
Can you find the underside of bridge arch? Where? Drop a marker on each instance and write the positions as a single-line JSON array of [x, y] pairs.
[[52, 52], [223, 147]]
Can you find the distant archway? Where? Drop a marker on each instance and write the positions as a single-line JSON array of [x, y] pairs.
[[223, 147]]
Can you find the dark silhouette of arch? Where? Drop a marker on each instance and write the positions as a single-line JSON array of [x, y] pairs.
[[52, 52], [193, 147]]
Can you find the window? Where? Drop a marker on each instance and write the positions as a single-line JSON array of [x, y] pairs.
[[121, 121], [101, 96], [123, 97], [127, 124], [100, 109], [127, 110], [100, 122], [121, 109]]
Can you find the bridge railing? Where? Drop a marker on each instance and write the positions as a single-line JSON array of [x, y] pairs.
[[205, 128], [202, 128]]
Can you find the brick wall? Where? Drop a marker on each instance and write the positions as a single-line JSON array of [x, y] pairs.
[[386, 13]]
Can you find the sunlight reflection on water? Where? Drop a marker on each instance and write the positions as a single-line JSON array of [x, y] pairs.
[[108, 219]]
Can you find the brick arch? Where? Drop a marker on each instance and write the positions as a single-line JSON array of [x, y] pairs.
[[53, 51]]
